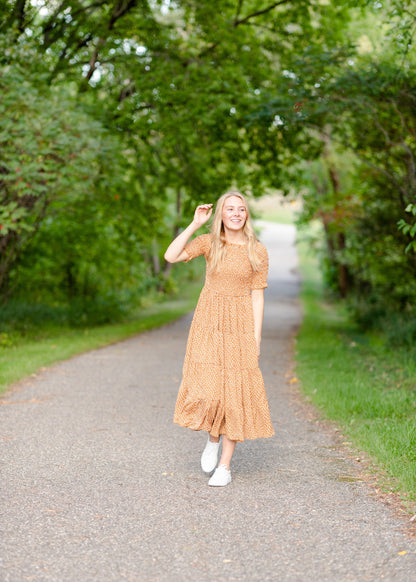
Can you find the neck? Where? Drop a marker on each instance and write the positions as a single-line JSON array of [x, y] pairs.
[[234, 236]]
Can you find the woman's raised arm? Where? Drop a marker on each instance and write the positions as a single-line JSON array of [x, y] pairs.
[[175, 252]]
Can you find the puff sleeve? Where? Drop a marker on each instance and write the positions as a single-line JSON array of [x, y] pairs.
[[259, 280], [198, 246]]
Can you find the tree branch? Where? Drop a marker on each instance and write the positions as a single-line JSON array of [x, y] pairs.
[[238, 12], [239, 21], [18, 15], [54, 29], [120, 9], [348, 145], [94, 59], [50, 25]]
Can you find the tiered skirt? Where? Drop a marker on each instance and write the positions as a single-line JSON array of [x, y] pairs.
[[222, 389]]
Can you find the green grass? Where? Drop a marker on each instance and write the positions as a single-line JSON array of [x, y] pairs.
[[280, 214], [22, 357], [275, 209], [356, 381]]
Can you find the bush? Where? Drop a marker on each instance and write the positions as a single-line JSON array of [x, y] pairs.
[[99, 311]]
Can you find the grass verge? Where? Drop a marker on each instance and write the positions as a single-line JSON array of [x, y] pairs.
[[356, 381], [275, 208], [53, 345]]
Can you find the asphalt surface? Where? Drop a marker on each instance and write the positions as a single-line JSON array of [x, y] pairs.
[[98, 484]]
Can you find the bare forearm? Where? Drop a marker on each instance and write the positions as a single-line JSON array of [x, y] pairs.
[[257, 297], [174, 252]]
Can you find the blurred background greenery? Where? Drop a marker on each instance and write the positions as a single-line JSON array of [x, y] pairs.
[[118, 117]]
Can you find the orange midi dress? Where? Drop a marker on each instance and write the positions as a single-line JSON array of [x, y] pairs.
[[222, 389]]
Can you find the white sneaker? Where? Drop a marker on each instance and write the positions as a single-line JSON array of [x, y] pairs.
[[209, 456], [221, 477]]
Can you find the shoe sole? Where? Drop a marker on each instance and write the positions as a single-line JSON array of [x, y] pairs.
[[215, 485]]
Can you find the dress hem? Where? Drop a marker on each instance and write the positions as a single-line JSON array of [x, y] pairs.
[[221, 432]]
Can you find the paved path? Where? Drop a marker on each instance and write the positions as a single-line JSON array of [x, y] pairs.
[[97, 484]]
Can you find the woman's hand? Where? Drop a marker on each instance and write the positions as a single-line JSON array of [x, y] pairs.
[[175, 253], [202, 214]]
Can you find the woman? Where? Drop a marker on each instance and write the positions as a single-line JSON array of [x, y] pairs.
[[222, 389]]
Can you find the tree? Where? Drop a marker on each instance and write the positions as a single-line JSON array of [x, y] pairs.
[[48, 151], [347, 119], [201, 96]]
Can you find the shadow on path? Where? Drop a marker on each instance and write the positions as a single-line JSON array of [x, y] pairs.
[[98, 484]]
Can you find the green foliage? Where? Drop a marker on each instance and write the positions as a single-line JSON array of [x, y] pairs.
[[379, 117], [368, 389], [118, 117], [131, 113], [49, 159], [409, 229], [50, 339], [347, 121]]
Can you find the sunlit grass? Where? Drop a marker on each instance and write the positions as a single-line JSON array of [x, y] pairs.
[[355, 380], [275, 209], [22, 357]]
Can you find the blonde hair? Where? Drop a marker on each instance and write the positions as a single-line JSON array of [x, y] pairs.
[[218, 246]]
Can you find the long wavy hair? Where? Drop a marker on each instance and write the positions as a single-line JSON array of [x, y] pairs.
[[218, 246]]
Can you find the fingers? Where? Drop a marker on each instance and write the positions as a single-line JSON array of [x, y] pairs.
[[205, 207], [203, 213]]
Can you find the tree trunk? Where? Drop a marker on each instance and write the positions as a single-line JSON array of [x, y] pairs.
[[343, 272], [338, 238], [155, 257]]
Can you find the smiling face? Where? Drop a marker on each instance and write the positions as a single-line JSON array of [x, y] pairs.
[[234, 213]]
